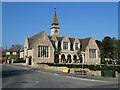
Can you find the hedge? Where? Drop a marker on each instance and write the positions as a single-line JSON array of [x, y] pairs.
[[91, 67]]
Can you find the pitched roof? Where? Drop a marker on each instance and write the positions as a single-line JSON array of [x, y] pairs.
[[59, 38], [33, 39], [84, 43], [50, 37], [71, 40], [55, 20], [12, 49]]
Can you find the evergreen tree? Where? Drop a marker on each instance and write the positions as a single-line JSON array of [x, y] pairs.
[[107, 48]]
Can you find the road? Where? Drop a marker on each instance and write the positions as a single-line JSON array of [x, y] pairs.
[[25, 77]]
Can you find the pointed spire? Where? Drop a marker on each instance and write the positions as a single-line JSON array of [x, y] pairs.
[[55, 20]]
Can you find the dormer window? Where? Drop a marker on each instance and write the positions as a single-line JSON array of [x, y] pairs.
[[65, 45], [76, 46]]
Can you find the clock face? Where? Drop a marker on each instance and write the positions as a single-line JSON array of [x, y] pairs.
[[56, 31]]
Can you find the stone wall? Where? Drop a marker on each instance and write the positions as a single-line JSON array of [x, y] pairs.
[[72, 70], [88, 71]]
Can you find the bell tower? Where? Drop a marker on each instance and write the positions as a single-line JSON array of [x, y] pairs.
[[55, 30]]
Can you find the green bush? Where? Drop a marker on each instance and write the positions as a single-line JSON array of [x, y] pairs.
[[116, 68]]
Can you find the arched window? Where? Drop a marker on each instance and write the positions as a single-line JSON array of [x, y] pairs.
[[63, 58], [69, 58], [75, 58]]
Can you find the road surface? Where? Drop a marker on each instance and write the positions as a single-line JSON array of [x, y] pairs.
[[25, 77]]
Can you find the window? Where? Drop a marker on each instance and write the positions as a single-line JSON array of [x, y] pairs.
[[7, 53], [65, 45], [56, 31], [14, 53], [76, 46], [92, 53], [43, 51]]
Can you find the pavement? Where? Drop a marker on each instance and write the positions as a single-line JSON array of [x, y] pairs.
[[27, 77], [113, 79]]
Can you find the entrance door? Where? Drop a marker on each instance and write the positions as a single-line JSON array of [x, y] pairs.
[[56, 58], [30, 60], [69, 59], [81, 59]]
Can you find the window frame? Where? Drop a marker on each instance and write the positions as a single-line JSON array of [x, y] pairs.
[[65, 45], [92, 54], [43, 51], [76, 48]]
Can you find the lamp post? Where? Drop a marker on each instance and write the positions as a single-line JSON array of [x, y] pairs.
[[82, 68], [82, 65]]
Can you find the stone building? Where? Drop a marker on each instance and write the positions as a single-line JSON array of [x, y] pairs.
[[54, 48]]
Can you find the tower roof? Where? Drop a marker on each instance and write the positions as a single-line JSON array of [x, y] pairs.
[[55, 20]]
